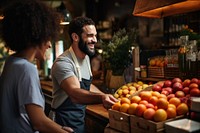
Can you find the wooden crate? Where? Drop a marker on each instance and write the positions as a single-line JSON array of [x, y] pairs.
[[108, 129], [171, 72], [156, 72], [119, 121], [141, 125]]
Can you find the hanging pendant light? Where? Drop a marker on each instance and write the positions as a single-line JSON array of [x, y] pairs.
[[66, 16], [163, 8]]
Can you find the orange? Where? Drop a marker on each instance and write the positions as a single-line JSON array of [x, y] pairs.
[[125, 100], [135, 99], [155, 93], [171, 106], [116, 106], [143, 102], [124, 107], [153, 100], [162, 103], [174, 100], [149, 113], [145, 95], [171, 112], [182, 109], [140, 109], [160, 115], [163, 96], [132, 108]]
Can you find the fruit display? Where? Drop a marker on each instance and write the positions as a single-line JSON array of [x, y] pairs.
[[157, 61], [152, 105], [176, 87], [130, 88]]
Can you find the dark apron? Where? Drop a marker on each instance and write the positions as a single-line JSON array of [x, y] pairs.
[[71, 114]]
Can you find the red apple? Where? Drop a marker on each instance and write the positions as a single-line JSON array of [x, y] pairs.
[[167, 83], [186, 90], [179, 94], [177, 86], [199, 82], [193, 85], [176, 80], [156, 87], [169, 89], [186, 83], [194, 92], [184, 100], [170, 96], [194, 80], [160, 83]]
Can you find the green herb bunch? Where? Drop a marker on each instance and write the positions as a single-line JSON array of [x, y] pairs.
[[192, 35], [117, 53]]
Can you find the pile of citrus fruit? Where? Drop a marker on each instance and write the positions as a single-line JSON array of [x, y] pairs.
[[129, 89], [152, 105]]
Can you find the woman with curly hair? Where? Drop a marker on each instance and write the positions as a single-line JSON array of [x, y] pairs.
[[28, 28]]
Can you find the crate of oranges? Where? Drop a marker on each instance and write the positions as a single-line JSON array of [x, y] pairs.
[[152, 110], [147, 111], [119, 115]]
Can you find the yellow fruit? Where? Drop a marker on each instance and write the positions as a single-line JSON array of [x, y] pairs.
[[116, 95], [125, 100], [140, 83]]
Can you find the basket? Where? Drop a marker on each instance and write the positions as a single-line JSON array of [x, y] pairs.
[[155, 72]]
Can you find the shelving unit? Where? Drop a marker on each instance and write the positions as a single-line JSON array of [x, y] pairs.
[[104, 29]]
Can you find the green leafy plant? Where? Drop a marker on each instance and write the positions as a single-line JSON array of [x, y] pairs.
[[117, 53], [3, 52], [3, 55], [192, 35]]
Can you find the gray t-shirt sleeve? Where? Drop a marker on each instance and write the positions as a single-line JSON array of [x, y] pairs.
[[62, 69], [31, 92]]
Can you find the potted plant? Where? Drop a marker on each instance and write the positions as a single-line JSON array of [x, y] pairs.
[[3, 55], [117, 53]]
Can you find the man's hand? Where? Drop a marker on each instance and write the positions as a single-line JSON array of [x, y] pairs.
[[108, 100], [68, 129]]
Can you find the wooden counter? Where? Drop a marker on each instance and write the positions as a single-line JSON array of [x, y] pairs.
[[96, 115], [96, 118]]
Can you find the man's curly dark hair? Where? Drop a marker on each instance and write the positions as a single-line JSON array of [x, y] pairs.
[[29, 23], [77, 24]]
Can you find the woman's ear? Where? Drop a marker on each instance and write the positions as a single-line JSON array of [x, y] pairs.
[[75, 37]]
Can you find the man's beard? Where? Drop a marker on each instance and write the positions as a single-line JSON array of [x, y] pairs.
[[84, 48]]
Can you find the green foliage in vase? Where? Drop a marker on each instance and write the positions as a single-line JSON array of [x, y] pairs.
[[117, 53], [192, 35]]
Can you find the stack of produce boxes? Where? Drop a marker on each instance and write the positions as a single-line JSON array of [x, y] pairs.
[[147, 110]]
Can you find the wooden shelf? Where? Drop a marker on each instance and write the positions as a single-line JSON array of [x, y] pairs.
[[151, 79]]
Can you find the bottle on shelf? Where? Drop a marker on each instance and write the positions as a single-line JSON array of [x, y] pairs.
[[182, 55]]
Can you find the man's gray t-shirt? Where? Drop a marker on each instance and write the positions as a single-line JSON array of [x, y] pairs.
[[64, 67], [19, 85]]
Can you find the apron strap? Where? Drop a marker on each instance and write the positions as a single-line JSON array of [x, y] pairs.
[[77, 64]]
